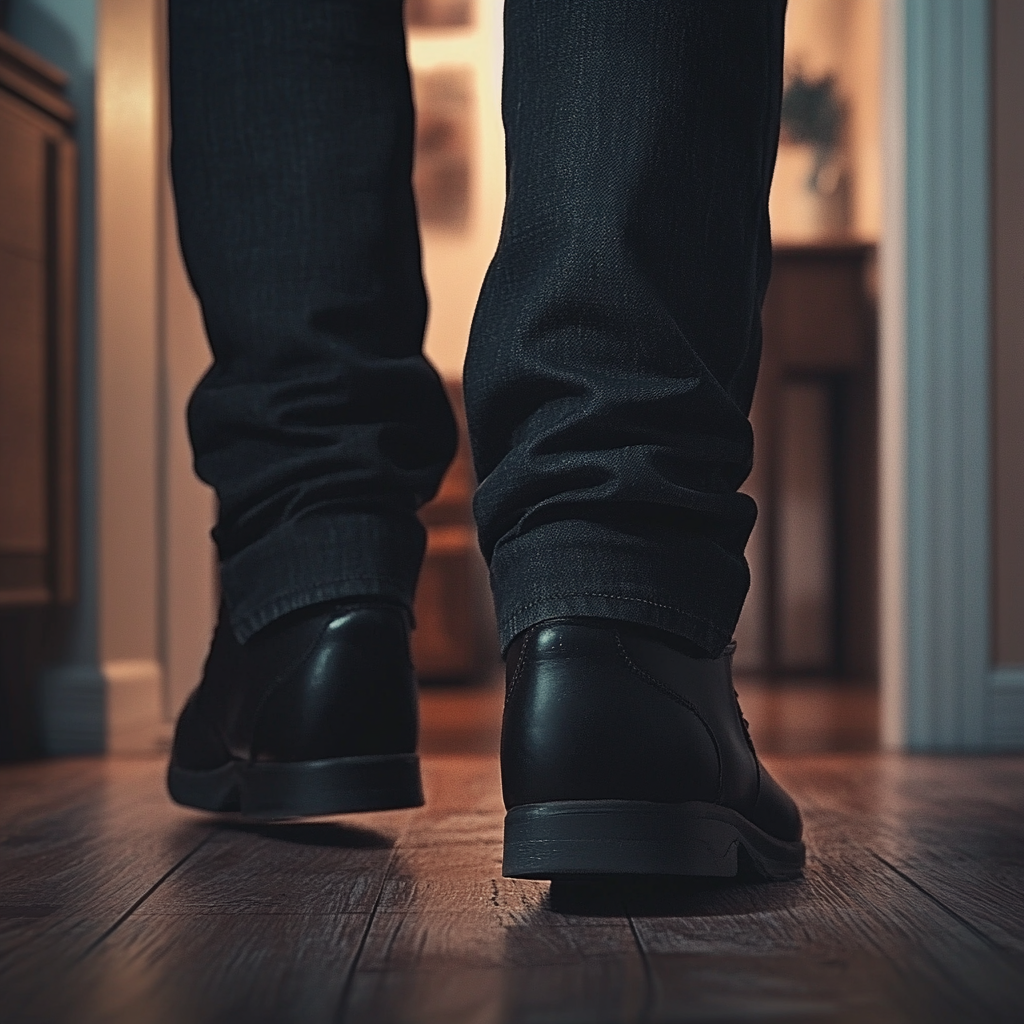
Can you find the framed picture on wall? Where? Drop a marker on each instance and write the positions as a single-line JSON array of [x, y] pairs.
[[438, 13], [444, 139]]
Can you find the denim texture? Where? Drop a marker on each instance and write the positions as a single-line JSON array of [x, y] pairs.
[[616, 342], [615, 347], [320, 425]]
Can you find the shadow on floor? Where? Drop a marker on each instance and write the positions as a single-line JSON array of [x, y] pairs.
[[672, 897], [312, 833]]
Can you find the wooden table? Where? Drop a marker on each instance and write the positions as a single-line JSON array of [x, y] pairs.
[[814, 551]]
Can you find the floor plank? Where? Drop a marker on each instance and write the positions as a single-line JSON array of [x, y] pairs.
[[117, 906], [36, 788], [263, 923], [69, 874], [952, 828], [215, 969], [452, 940]]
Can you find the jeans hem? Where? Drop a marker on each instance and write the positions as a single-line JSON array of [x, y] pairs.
[[688, 587], [322, 558]]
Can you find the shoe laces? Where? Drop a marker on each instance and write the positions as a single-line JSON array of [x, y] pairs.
[[729, 651], [743, 720]]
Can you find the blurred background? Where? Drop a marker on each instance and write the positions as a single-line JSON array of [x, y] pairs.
[[107, 576], [807, 641]]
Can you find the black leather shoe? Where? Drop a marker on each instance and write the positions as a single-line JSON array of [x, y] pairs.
[[315, 714], [622, 755]]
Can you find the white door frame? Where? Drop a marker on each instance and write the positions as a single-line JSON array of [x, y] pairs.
[[939, 688]]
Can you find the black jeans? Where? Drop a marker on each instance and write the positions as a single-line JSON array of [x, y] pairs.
[[615, 346]]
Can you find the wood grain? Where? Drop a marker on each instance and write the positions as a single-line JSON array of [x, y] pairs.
[[858, 938], [952, 828], [68, 875], [117, 906], [261, 923], [44, 787], [453, 940]]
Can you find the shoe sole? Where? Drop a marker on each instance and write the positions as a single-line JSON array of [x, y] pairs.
[[274, 790], [573, 838]]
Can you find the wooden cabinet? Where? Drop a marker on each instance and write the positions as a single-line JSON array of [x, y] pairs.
[[812, 607], [38, 513]]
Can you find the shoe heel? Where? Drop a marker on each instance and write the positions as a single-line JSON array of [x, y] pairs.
[[272, 790], [566, 839], [215, 789]]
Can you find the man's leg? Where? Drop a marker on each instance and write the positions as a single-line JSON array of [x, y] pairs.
[[320, 425], [608, 382], [617, 338]]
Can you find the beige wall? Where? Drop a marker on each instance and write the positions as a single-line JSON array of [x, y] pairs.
[[127, 357], [188, 584], [1008, 331], [454, 261], [155, 566]]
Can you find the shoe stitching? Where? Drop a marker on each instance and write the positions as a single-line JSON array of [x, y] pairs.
[[202, 700], [282, 676], [272, 687], [682, 701], [301, 658], [750, 744], [730, 650], [519, 668], [212, 725]]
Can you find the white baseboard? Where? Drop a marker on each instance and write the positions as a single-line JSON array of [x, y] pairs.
[[134, 708]]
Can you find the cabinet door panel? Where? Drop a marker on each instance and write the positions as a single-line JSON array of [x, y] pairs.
[[22, 183], [24, 517]]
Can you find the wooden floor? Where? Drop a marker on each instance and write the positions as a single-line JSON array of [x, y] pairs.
[[116, 905]]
